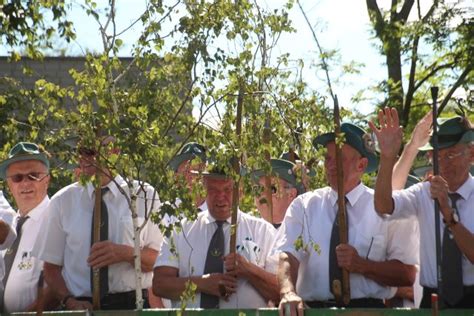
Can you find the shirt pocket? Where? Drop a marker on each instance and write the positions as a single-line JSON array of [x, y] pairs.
[[125, 233], [372, 247]]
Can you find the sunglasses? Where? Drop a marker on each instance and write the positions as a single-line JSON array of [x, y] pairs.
[[32, 176], [87, 151]]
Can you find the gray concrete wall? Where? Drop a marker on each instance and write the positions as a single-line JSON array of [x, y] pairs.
[[52, 69]]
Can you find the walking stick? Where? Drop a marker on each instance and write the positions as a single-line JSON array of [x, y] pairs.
[[342, 292], [268, 179], [96, 237], [235, 192], [434, 143]]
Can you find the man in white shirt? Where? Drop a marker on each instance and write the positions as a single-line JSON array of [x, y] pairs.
[[7, 232], [454, 190], [186, 256], [284, 188], [67, 251], [187, 164], [26, 172], [376, 255]]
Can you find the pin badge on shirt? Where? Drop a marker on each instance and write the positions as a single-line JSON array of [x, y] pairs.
[[216, 253], [25, 263]]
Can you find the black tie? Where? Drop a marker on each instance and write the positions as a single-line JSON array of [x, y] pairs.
[[104, 235], [214, 264], [10, 254], [335, 272], [451, 268]]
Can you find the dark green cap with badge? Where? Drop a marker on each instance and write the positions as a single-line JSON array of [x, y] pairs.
[[20, 152], [188, 152], [452, 131], [283, 169], [355, 137]]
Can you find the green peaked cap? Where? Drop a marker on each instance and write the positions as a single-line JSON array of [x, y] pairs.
[[355, 137], [20, 152], [451, 131], [188, 152], [283, 169]]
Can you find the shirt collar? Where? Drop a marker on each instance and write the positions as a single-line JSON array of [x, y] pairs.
[[352, 197], [36, 213], [467, 188], [209, 219], [113, 188]]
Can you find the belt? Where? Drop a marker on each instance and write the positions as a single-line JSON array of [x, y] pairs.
[[357, 302], [123, 300], [468, 290]]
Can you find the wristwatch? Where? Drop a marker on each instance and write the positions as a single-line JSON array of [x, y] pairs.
[[64, 301], [452, 221]]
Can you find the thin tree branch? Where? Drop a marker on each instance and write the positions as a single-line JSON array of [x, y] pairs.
[[323, 58], [456, 85]]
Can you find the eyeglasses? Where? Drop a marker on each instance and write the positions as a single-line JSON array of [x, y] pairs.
[[273, 188], [451, 156], [32, 176], [86, 151]]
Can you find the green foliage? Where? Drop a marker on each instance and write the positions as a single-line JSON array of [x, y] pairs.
[[431, 48], [30, 25]]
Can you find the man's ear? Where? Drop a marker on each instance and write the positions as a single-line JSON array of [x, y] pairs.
[[363, 162], [293, 193], [471, 151]]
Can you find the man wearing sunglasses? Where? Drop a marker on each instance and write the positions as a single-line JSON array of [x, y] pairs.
[[26, 171], [284, 188]]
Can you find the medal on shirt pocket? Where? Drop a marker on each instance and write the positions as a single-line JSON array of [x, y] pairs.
[[26, 262], [249, 250]]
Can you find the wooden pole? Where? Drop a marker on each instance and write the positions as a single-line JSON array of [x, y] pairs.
[[96, 234], [236, 167], [342, 291], [434, 143], [268, 179]]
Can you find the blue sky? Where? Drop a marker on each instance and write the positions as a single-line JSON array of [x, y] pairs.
[[340, 24]]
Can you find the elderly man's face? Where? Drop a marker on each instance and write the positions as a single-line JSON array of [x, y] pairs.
[[87, 161], [28, 182], [282, 194], [185, 168], [219, 197], [353, 164], [455, 163]]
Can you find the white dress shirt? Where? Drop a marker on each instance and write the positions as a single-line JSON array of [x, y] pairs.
[[254, 242], [7, 214], [310, 218], [67, 232], [416, 202], [22, 286]]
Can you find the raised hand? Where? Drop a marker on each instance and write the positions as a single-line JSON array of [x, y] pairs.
[[389, 133], [422, 131]]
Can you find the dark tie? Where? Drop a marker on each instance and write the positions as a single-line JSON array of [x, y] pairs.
[[10, 254], [335, 272], [214, 263], [104, 235], [451, 268]]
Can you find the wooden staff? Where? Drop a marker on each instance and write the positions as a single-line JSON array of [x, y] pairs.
[[268, 179], [342, 292], [434, 143], [96, 235], [236, 167]]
